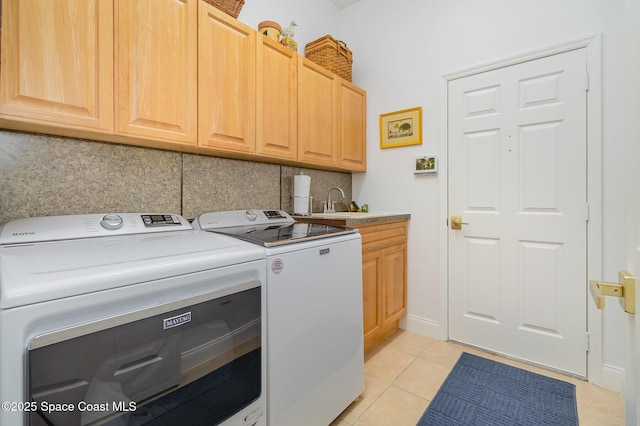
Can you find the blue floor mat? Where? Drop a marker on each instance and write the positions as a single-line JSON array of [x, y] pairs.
[[479, 392]]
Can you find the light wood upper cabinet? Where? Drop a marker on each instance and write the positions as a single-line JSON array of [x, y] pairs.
[[276, 100], [317, 115], [57, 63], [157, 69], [352, 113], [331, 119], [226, 82], [187, 77]]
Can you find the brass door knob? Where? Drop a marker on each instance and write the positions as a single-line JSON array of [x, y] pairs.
[[456, 222], [625, 290]]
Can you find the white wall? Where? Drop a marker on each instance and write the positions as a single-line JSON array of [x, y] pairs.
[[401, 50]]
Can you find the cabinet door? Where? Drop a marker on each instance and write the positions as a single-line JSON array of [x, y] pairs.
[[394, 281], [317, 115], [57, 62], [277, 102], [157, 69], [226, 82], [371, 299], [352, 112]]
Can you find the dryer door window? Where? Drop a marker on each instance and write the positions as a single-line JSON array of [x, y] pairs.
[[196, 365]]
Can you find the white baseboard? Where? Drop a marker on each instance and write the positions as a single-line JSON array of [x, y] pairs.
[[612, 377], [423, 327]]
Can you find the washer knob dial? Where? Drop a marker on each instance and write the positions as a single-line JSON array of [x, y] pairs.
[[111, 222], [251, 215]]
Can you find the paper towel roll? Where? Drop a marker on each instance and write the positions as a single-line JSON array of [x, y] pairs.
[[301, 185], [301, 205]]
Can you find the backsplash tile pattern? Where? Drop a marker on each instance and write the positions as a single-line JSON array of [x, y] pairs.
[[321, 182], [214, 184], [43, 175]]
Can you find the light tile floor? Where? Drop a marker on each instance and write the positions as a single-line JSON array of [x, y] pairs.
[[404, 372]]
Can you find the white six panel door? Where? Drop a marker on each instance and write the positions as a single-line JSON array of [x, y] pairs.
[[517, 175]]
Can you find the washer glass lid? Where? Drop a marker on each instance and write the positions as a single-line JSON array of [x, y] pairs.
[[273, 235]]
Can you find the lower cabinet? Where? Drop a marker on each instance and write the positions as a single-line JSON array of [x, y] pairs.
[[384, 283]]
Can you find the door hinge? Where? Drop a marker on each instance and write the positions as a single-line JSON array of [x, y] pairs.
[[587, 83], [587, 212], [586, 342]]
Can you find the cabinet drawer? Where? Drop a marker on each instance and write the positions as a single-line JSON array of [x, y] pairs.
[[378, 236]]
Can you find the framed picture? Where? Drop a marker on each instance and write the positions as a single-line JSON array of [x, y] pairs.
[[426, 164], [401, 128]]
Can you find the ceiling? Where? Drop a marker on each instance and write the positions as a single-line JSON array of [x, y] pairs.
[[343, 3]]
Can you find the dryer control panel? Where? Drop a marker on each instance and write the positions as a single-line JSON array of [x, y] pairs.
[[56, 228]]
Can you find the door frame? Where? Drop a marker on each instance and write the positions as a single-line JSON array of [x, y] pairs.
[[596, 371], [632, 207]]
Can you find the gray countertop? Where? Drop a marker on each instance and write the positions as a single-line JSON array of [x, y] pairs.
[[355, 219]]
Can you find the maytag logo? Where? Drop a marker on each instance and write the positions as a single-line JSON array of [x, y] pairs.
[[23, 234], [177, 320]]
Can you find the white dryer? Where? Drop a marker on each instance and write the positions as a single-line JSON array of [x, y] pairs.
[[315, 360], [128, 319]]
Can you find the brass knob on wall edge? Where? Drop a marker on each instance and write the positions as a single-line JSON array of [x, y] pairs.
[[625, 290]]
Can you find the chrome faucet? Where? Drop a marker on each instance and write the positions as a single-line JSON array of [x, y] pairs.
[[330, 206]]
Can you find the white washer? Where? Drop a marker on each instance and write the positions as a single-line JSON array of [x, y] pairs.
[[315, 360], [126, 318]]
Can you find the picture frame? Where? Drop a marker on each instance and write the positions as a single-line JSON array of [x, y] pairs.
[[426, 164], [401, 128]]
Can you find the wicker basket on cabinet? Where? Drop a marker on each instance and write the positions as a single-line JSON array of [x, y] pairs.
[[331, 54], [230, 7]]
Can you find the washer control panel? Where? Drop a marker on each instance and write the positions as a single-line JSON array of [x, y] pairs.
[[234, 218], [56, 228], [112, 221], [275, 215], [160, 220], [251, 215]]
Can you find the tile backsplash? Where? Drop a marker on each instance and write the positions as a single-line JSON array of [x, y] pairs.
[[43, 175]]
